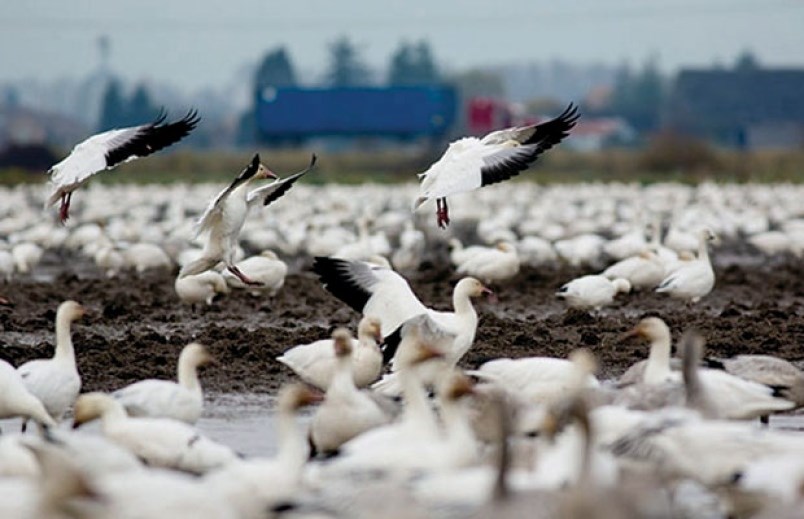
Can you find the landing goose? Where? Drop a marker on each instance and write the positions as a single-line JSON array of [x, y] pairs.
[[108, 149], [56, 381], [471, 163], [226, 214], [316, 363], [182, 400]]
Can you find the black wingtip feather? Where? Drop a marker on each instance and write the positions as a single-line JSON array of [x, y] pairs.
[[334, 275], [390, 345]]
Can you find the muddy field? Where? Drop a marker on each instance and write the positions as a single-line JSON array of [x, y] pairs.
[[137, 326]]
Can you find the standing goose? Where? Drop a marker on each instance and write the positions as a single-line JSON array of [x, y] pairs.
[[182, 400], [316, 363], [346, 411], [226, 214], [729, 396], [695, 279], [108, 149], [160, 442], [471, 163], [56, 381], [767, 370]]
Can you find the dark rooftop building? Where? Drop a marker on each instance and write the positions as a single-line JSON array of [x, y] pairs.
[[756, 108]]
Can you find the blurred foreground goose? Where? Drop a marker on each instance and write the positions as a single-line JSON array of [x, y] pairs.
[[182, 400], [160, 442], [226, 214], [56, 381], [346, 410], [729, 396], [695, 279], [16, 400], [316, 363], [108, 149], [254, 487], [471, 163]]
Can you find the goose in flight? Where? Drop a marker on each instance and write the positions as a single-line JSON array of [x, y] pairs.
[[471, 163], [226, 214], [108, 149]]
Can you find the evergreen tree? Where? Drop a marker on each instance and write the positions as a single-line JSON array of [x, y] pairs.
[[140, 109], [346, 67], [413, 65], [113, 107], [638, 98], [276, 69], [746, 62]]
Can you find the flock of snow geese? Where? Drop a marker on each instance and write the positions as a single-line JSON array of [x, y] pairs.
[[529, 437]]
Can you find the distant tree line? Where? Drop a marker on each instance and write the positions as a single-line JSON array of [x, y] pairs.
[[119, 111]]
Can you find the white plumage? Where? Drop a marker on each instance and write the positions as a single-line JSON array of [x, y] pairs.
[[182, 400], [592, 291], [470, 163], [108, 149], [695, 279], [56, 381]]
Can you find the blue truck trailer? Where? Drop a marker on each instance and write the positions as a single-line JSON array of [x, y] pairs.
[[287, 114]]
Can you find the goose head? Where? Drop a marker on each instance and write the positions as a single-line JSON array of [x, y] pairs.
[[269, 254], [708, 235], [456, 386], [295, 396], [262, 171], [650, 328], [91, 406], [342, 339], [370, 327], [71, 311], [621, 285], [196, 355], [471, 287]]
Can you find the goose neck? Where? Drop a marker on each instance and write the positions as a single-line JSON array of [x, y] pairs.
[[703, 250], [658, 367], [463, 304], [188, 375], [64, 342], [293, 450], [417, 408]]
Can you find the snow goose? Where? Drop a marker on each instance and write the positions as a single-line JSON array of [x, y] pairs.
[[592, 291], [147, 256], [694, 280], [253, 487], [226, 213], [645, 270], [459, 254], [200, 288], [408, 256], [266, 269], [765, 369], [16, 400], [471, 163], [26, 256], [316, 363], [160, 442], [380, 292], [182, 400], [346, 411], [729, 396], [540, 379], [108, 149], [492, 264], [56, 381]]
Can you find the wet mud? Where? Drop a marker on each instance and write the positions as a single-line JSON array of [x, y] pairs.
[[137, 326]]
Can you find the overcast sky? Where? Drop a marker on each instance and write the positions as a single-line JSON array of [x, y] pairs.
[[193, 43]]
